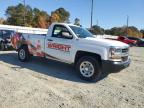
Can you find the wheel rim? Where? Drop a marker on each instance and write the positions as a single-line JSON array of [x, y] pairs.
[[22, 54], [86, 69]]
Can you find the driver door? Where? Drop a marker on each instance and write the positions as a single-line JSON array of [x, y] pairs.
[[58, 46]]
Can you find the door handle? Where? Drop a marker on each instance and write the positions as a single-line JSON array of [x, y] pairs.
[[49, 40]]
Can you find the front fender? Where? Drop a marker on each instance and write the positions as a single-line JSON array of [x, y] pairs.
[[100, 50]]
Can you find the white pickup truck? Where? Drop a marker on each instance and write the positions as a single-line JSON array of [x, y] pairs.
[[74, 45]]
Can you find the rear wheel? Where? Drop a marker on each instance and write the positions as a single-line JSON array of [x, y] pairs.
[[88, 68], [23, 54]]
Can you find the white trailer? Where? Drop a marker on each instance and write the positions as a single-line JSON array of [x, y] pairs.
[[21, 29]]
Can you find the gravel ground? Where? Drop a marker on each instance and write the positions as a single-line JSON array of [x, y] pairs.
[[50, 84]]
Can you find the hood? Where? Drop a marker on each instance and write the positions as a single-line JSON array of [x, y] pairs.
[[104, 42]]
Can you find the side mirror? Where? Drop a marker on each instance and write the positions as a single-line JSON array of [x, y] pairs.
[[67, 35]]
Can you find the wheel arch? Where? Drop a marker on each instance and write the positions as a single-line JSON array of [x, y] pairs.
[[27, 54], [80, 54], [22, 45]]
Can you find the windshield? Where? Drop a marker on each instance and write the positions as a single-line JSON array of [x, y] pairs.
[[81, 32]]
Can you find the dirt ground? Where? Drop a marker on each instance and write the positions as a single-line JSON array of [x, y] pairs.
[[50, 84]]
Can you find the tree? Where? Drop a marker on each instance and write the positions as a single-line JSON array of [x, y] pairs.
[[32, 17], [142, 31], [118, 31], [133, 31], [28, 16], [61, 15], [108, 32], [2, 21], [40, 18], [67, 21], [77, 21], [122, 31], [54, 18], [21, 15], [96, 30], [15, 14]]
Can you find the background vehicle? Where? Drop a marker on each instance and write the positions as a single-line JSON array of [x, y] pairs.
[[5, 40], [74, 45], [140, 41], [127, 40]]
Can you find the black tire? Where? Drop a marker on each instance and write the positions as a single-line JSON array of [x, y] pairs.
[[96, 65], [26, 55], [2, 46]]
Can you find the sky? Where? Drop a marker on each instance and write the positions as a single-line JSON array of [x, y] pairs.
[[108, 13]]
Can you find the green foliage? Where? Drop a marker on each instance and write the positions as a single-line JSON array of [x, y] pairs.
[[61, 14], [96, 30], [118, 31], [40, 18], [21, 15], [142, 31], [15, 14], [122, 31], [77, 21], [2, 21]]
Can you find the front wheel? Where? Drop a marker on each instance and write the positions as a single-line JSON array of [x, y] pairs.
[[23, 54], [89, 68]]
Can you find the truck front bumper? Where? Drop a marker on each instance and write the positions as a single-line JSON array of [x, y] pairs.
[[116, 64]]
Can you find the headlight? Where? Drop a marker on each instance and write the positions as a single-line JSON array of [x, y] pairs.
[[115, 54]]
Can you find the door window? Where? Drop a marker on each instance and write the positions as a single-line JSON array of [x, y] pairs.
[[59, 30]]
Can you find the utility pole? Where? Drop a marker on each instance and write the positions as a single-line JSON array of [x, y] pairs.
[[97, 22], [24, 17], [127, 25], [92, 14]]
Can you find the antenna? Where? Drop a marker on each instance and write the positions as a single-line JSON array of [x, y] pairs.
[[92, 13]]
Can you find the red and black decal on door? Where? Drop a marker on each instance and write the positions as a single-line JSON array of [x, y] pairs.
[[61, 47]]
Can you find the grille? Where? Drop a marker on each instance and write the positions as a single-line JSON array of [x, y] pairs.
[[125, 50]]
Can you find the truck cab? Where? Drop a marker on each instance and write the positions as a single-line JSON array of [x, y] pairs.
[[74, 45]]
